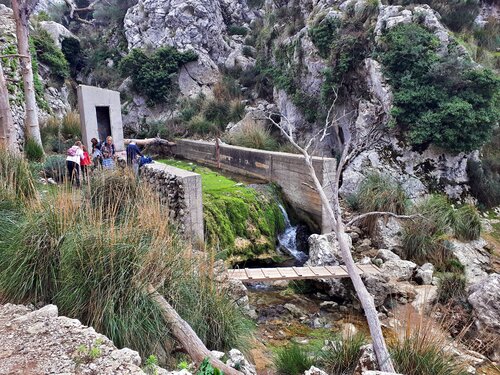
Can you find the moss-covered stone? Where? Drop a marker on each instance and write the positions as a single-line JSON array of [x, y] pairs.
[[240, 222]]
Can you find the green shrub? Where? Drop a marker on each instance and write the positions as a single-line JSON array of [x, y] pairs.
[[237, 30], [467, 223], [153, 75], [72, 51], [70, 126], [452, 287], [422, 353], [380, 193], [439, 100], [206, 368], [324, 34], [55, 167], [342, 355], [253, 136], [247, 51], [33, 150], [199, 125], [49, 54], [293, 360], [217, 112], [16, 179]]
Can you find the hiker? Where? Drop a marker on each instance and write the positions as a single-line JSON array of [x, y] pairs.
[[132, 157], [85, 163], [73, 160], [108, 153], [96, 152]]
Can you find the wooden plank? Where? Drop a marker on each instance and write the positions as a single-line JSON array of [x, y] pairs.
[[272, 273], [321, 271], [255, 274], [288, 273], [304, 272]]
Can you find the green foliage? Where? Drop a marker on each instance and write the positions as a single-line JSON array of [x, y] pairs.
[[452, 287], [32, 150], [16, 179], [467, 223], [54, 167], [240, 221], [153, 75], [484, 182], [217, 113], [37, 82], [343, 355], [380, 193], [206, 368], [49, 54], [201, 126], [253, 136], [324, 34], [439, 100], [292, 360], [422, 353], [58, 135], [237, 30], [72, 51]]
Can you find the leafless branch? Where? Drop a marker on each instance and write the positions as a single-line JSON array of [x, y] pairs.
[[382, 213], [74, 10], [14, 55]]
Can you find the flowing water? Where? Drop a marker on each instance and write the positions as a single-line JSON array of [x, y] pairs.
[[288, 240]]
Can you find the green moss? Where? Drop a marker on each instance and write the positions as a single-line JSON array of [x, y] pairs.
[[239, 221]]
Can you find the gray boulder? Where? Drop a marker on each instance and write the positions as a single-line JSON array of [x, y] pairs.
[[395, 267], [424, 274], [238, 361], [474, 258], [56, 31]]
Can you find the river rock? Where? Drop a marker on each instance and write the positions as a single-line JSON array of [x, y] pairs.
[[295, 310], [394, 266], [324, 250], [424, 273], [315, 371], [485, 301], [238, 361], [388, 233]]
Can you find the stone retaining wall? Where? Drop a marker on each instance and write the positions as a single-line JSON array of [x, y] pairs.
[[180, 191], [287, 170]]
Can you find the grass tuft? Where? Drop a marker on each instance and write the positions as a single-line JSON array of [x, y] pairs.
[[343, 355], [253, 135], [293, 360]]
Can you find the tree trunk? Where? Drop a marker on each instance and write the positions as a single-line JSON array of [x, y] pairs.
[[379, 346], [7, 133], [186, 336], [149, 141], [21, 16]]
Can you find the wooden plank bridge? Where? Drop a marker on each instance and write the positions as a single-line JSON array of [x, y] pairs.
[[298, 273]]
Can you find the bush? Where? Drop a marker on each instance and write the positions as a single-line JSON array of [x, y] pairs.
[[467, 223], [153, 75], [55, 167], [452, 287], [324, 34], [422, 353], [16, 179], [217, 113], [70, 126], [201, 126], [49, 54], [440, 100], [380, 193], [253, 136], [32, 150], [293, 360], [237, 30], [343, 355]]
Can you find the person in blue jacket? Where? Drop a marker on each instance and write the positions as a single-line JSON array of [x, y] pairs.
[[133, 153]]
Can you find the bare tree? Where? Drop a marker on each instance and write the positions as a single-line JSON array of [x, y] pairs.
[[6, 120], [22, 10], [334, 211], [74, 10]]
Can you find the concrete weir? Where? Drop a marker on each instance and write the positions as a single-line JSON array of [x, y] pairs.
[[286, 170]]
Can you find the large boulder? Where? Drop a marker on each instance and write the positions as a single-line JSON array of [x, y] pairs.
[[238, 361], [56, 31], [474, 257], [485, 301], [394, 267], [388, 234]]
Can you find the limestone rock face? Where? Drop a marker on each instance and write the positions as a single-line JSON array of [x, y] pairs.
[[485, 301], [473, 257], [314, 371], [424, 273], [52, 345], [388, 234], [395, 267], [324, 250], [238, 361], [57, 31]]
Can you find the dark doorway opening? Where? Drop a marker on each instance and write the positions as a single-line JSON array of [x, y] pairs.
[[103, 122]]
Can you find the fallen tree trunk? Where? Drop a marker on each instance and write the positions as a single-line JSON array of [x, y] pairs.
[[186, 336], [149, 142]]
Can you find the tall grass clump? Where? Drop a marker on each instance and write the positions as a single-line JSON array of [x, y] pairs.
[[467, 223], [60, 134], [421, 351], [378, 192], [29, 262], [343, 354], [16, 179], [452, 287], [293, 360], [253, 136], [33, 151]]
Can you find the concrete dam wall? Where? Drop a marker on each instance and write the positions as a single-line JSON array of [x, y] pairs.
[[286, 170]]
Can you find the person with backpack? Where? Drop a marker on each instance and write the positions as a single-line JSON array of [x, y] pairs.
[[108, 153], [96, 152], [73, 160], [133, 153]]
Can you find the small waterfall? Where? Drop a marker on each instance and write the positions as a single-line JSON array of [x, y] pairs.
[[288, 239]]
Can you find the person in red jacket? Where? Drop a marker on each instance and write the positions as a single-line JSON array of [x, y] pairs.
[[85, 163]]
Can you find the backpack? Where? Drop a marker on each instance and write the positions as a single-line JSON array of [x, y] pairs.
[[72, 151]]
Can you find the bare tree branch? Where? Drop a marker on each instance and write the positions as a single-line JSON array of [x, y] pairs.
[[74, 10], [14, 55], [381, 213]]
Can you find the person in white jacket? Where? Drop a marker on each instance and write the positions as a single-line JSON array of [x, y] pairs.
[[73, 160]]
